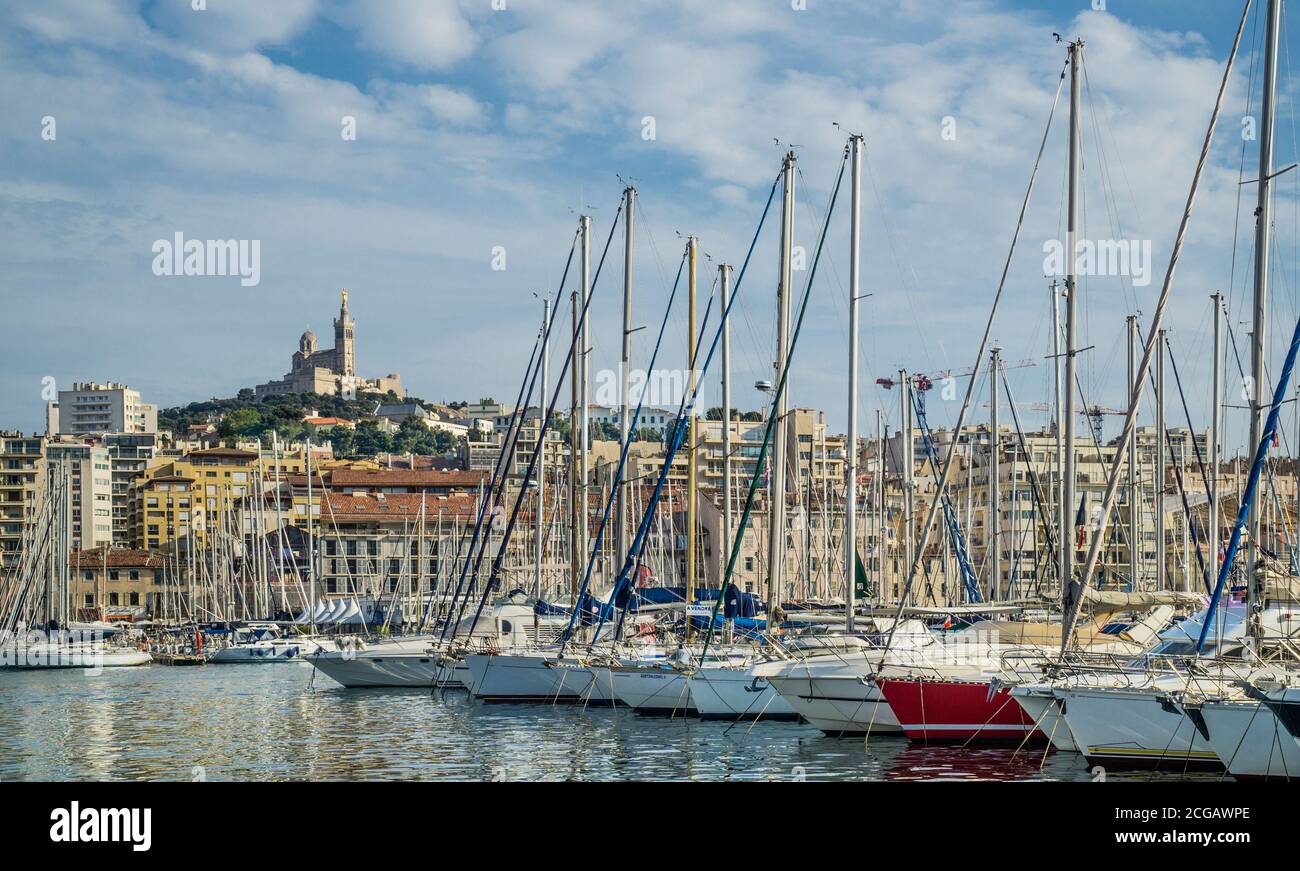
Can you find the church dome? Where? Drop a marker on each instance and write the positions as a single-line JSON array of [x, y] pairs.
[[307, 344]]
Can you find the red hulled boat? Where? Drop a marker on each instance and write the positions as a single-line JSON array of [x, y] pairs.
[[953, 710]]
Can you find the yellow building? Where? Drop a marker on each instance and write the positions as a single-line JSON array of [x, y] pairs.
[[196, 494], [117, 583], [22, 465]]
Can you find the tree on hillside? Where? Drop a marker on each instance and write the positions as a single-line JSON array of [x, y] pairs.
[[242, 422], [371, 440]]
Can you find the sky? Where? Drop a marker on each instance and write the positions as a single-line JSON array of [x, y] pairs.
[[483, 128]]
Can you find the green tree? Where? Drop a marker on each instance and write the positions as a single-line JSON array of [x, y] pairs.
[[241, 422], [371, 440], [343, 439]]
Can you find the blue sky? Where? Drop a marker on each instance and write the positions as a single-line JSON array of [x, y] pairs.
[[479, 128]]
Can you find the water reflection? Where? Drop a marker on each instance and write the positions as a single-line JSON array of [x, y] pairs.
[[274, 722]]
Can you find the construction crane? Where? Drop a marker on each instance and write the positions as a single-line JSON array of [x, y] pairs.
[[922, 383], [1095, 413]]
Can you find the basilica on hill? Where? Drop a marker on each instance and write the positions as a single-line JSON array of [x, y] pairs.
[[331, 372]]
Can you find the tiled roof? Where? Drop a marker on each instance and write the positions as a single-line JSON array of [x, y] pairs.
[[342, 508], [234, 453], [404, 478], [117, 557]]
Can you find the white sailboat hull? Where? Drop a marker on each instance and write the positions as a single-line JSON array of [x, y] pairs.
[[736, 694], [653, 690], [257, 653], [74, 656], [396, 662], [1134, 728], [378, 669], [1041, 704], [1253, 739], [532, 677], [838, 705]]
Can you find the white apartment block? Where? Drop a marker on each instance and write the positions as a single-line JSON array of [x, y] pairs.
[[95, 409], [90, 475]]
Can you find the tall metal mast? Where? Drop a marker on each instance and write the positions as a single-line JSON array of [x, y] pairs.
[[851, 467], [1071, 305], [1162, 459], [905, 447], [724, 281], [584, 406], [692, 473], [1134, 503], [311, 551], [1263, 237], [881, 492], [541, 458], [625, 370], [776, 531], [1216, 412], [995, 474], [577, 553], [1062, 511]]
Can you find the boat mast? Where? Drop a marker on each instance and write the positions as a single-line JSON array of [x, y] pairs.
[[575, 546], [1162, 459], [724, 280], [541, 459], [1215, 414], [851, 466], [584, 408], [311, 561], [1134, 506], [1071, 306], [1258, 336], [1057, 477], [881, 491], [905, 447], [995, 474], [625, 413], [692, 474], [776, 524]]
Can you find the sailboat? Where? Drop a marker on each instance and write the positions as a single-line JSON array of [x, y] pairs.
[[38, 633], [1154, 713]]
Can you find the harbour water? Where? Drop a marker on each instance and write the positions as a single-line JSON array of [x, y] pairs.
[[280, 722]]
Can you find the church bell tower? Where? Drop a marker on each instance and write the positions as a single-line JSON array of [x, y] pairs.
[[344, 340]]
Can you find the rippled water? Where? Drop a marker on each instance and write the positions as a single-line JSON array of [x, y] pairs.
[[275, 722]]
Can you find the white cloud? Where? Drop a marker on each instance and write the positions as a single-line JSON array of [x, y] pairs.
[[234, 25], [426, 34], [454, 157]]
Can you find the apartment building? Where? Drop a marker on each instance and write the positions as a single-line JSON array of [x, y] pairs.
[[22, 469], [116, 582], [89, 471], [192, 495], [129, 456], [91, 409]]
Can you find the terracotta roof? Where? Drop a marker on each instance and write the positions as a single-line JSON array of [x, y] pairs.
[[327, 421], [405, 478], [297, 480], [223, 452], [117, 557], [417, 461], [342, 507]]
